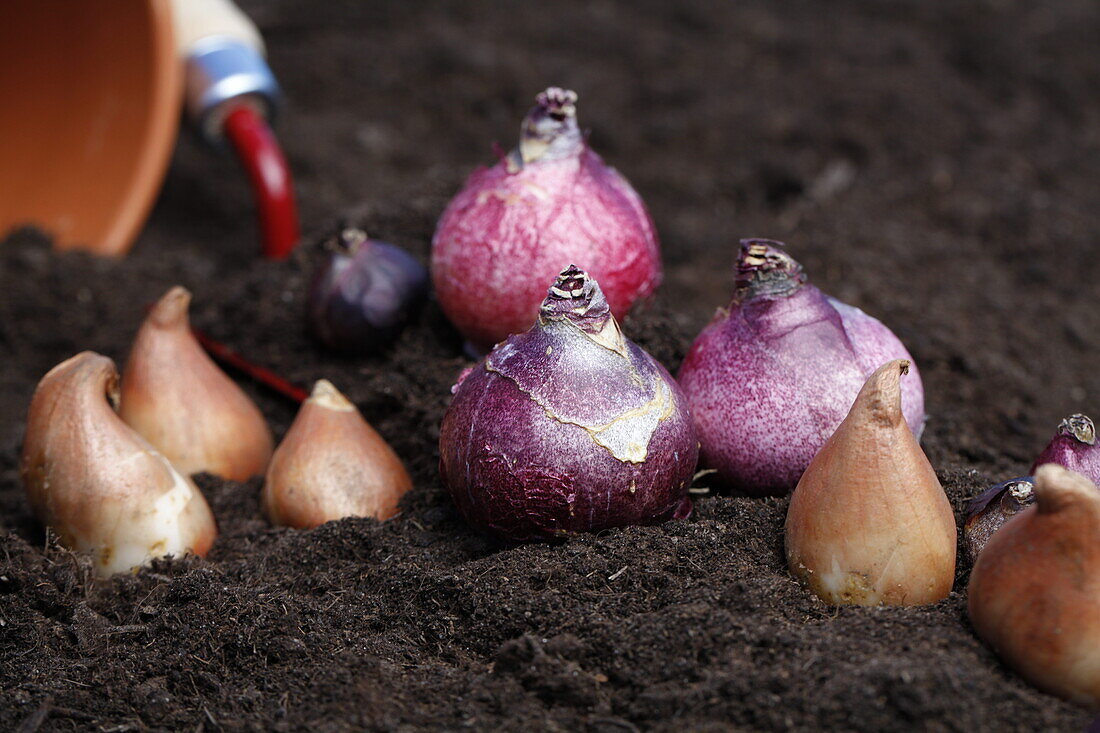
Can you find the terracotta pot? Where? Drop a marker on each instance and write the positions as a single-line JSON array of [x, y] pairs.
[[91, 100]]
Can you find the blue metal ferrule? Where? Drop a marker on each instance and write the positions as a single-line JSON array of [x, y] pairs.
[[222, 69]]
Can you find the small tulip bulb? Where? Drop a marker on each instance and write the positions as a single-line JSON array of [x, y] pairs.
[[869, 522], [332, 464], [1035, 590], [178, 399], [100, 486]]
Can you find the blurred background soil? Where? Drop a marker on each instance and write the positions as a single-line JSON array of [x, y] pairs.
[[935, 163]]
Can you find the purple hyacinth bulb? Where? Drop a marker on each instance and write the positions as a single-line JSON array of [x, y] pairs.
[[569, 427], [1074, 446], [772, 376], [364, 294]]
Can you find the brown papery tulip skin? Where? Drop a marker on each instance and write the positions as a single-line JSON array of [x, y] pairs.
[[332, 464], [178, 399], [1035, 590], [869, 522], [97, 483]]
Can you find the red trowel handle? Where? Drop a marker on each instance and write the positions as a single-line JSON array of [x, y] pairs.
[[231, 95]]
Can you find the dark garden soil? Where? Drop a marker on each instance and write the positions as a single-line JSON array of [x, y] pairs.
[[937, 164]]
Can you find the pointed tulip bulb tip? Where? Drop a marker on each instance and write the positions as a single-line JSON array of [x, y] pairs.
[[1057, 486], [571, 283], [326, 395], [172, 308], [881, 394]]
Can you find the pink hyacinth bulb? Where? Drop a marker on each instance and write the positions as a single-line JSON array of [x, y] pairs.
[[773, 375], [551, 200]]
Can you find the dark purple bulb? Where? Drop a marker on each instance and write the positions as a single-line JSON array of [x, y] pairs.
[[364, 294], [568, 427], [989, 510]]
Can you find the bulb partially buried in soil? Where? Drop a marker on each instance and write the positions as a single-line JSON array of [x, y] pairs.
[[869, 523], [97, 483], [1035, 590], [989, 511], [178, 399], [332, 464], [1074, 447], [568, 427]]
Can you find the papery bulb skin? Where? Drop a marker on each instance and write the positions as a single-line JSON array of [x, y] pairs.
[[875, 344], [551, 200], [993, 507], [869, 523], [1034, 593], [772, 376], [98, 484], [1074, 447], [178, 399], [365, 293], [569, 427], [332, 464]]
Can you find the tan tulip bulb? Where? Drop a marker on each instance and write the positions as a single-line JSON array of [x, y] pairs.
[[98, 484], [869, 522], [332, 464], [178, 399], [1035, 590]]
